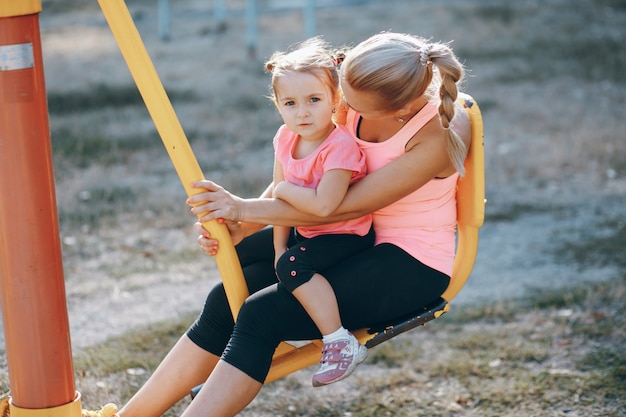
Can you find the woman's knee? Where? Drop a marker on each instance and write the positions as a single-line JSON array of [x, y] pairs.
[[214, 325]]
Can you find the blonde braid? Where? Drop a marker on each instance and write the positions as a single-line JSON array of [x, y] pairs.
[[450, 72]]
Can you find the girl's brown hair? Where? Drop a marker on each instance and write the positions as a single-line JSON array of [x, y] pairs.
[[312, 56]]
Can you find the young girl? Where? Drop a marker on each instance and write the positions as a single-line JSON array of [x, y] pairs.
[[315, 163]]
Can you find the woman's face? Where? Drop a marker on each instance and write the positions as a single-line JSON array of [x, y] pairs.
[[364, 103]]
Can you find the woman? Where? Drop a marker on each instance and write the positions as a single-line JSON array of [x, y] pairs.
[[401, 93]]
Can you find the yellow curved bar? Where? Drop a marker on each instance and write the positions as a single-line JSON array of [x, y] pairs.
[[160, 108], [294, 359], [10, 8], [463, 261], [470, 202]]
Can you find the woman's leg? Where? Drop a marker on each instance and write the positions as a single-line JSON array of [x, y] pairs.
[[382, 284], [184, 367], [194, 357], [227, 391], [377, 285]]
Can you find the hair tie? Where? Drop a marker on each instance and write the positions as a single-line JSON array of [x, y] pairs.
[[338, 59], [424, 59]]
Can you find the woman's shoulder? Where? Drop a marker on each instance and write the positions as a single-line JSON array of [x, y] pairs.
[[433, 131]]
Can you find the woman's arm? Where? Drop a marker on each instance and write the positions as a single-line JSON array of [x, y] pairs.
[[238, 230], [405, 174]]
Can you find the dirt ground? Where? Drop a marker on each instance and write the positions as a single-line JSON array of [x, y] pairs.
[[554, 136]]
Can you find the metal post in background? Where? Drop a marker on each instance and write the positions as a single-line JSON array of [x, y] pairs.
[[164, 20], [220, 15], [252, 29], [310, 24]]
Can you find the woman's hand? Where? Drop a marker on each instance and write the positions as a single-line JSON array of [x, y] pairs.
[[208, 245], [214, 203]]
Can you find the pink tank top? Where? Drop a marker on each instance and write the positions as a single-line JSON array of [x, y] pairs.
[[424, 222]]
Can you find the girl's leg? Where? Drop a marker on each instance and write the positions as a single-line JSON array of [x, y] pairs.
[[318, 299], [184, 367], [301, 268]]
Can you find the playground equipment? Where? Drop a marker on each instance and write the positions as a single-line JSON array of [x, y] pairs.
[[289, 358], [34, 309]]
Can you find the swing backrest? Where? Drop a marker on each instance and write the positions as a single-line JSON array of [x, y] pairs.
[[470, 201], [290, 357]]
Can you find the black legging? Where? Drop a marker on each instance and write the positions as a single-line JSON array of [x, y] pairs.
[[307, 256], [377, 285]]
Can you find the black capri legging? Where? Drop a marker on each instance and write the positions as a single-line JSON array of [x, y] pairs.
[[378, 284], [308, 256]]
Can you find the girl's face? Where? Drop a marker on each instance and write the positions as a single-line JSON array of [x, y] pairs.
[[364, 103], [306, 104]]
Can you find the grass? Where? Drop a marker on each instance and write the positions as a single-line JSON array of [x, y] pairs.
[[101, 95], [590, 55], [543, 357], [598, 249], [550, 353], [98, 206]]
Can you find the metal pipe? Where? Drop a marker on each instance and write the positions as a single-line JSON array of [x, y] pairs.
[[32, 286]]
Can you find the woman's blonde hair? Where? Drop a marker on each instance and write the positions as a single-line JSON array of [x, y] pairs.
[[312, 56], [397, 68]]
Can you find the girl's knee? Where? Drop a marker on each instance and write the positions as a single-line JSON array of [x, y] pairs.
[[293, 269], [285, 267]]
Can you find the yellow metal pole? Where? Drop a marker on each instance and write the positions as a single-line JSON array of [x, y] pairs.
[[34, 309], [13, 8], [141, 68]]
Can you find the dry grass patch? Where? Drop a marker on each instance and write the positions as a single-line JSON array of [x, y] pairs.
[[544, 356]]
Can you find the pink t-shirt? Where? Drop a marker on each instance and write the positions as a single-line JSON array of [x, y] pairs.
[[424, 222], [338, 151]]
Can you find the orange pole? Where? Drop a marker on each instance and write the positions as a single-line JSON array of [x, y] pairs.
[[34, 309]]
